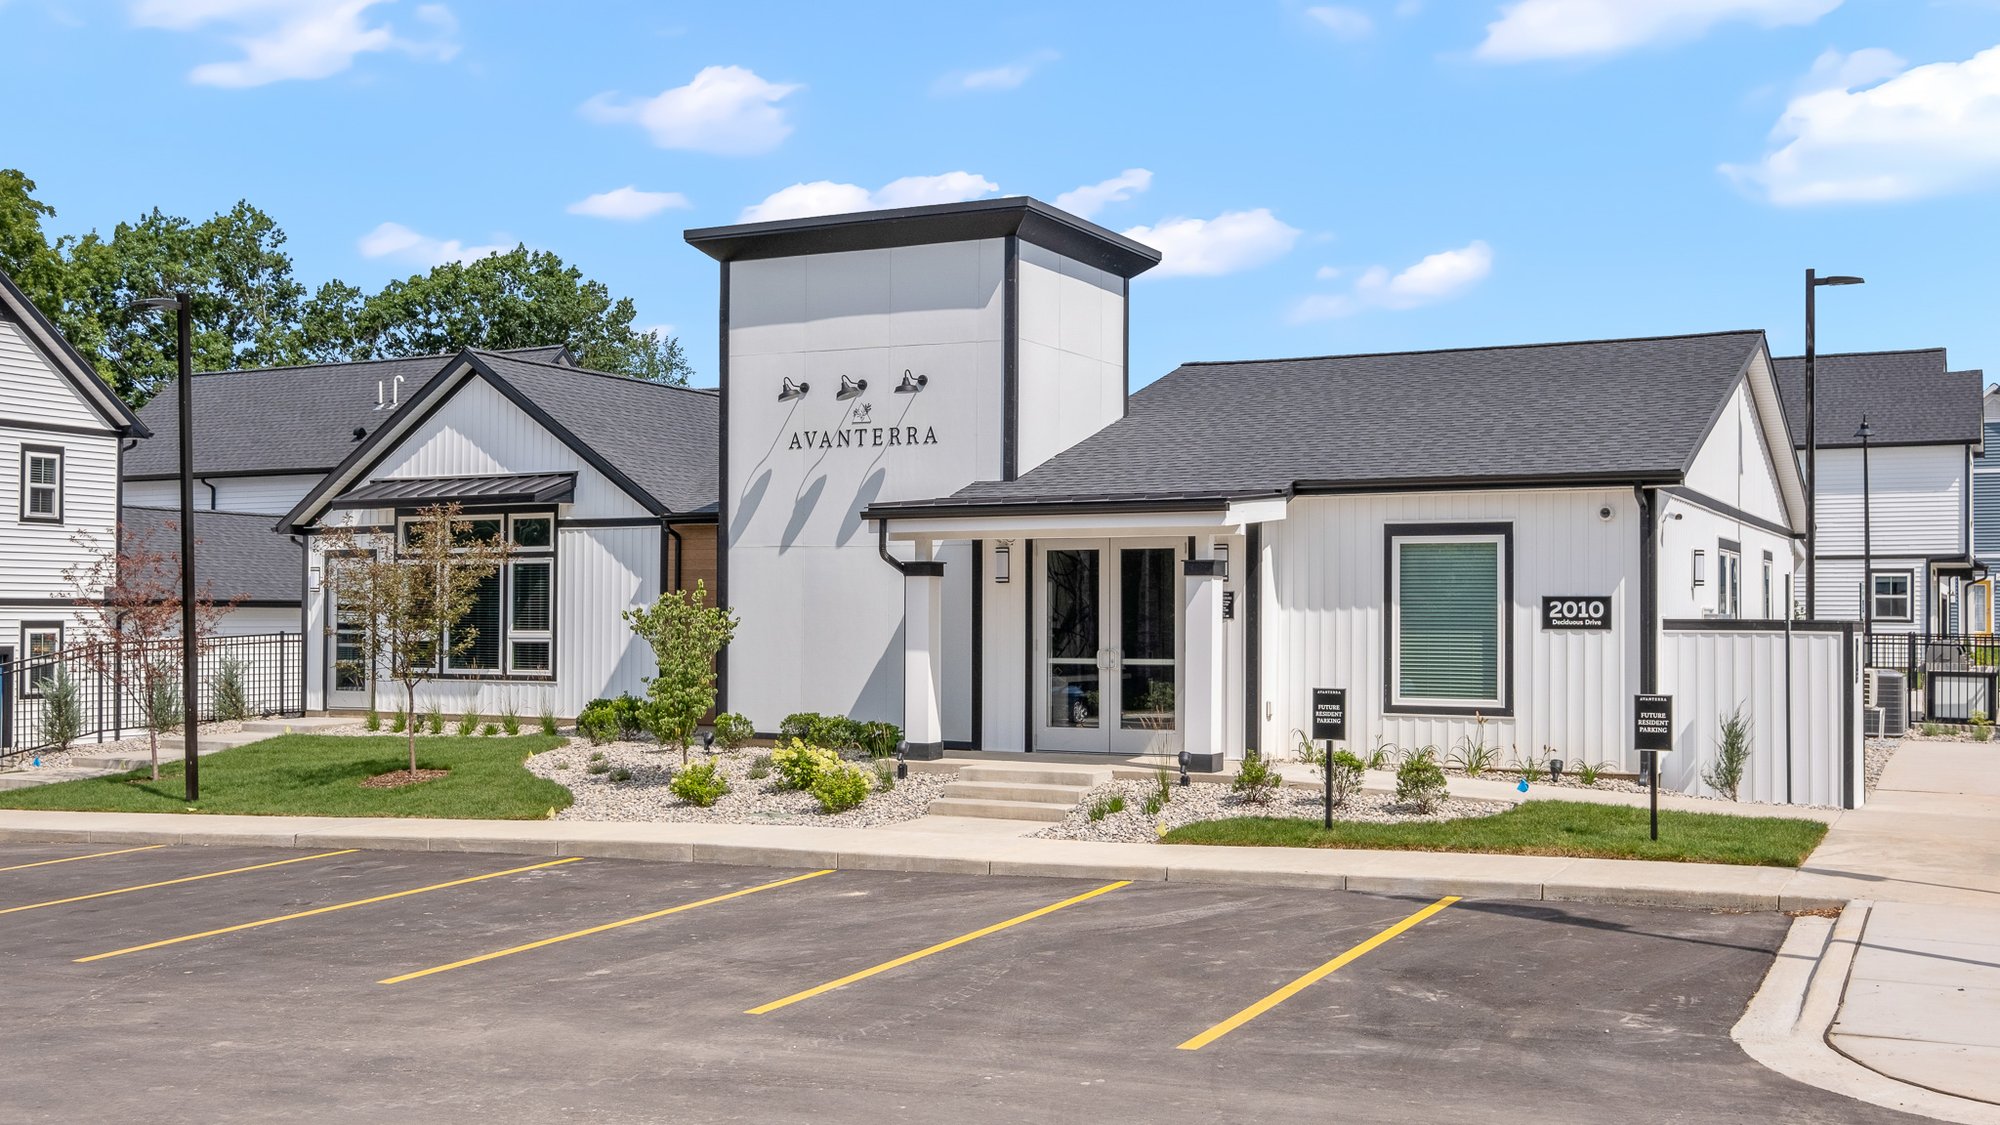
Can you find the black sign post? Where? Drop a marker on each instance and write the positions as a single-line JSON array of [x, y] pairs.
[[1653, 735], [1329, 723]]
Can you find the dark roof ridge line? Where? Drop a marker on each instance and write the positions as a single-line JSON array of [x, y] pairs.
[[589, 371], [1852, 355], [383, 359], [1478, 348]]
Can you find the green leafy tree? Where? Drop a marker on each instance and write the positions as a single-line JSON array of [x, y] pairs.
[[522, 298], [408, 605], [686, 634]]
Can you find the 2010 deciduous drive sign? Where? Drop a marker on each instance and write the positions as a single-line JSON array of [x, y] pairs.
[[1571, 611]]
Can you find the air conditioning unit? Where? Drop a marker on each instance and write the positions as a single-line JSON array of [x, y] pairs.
[[1885, 702]]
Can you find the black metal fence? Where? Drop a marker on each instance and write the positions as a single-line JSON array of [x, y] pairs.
[[1950, 677], [108, 680]]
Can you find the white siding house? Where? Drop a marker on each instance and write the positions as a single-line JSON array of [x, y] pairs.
[[601, 482], [1927, 430], [62, 433]]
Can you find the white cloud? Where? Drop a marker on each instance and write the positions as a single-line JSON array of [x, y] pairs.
[[1089, 199], [1229, 243], [1928, 130], [394, 240], [1005, 77], [296, 39], [1326, 273], [824, 197], [1552, 29], [1438, 277], [627, 203], [1344, 22], [727, 110]]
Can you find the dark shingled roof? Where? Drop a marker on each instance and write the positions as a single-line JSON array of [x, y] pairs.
[[236, 554], [1910, 398], [661, 436], [1616, 410], [281, 419]]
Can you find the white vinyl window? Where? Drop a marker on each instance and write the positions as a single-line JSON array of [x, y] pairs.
[[40, 643], [1728, 583], [1770, 587], [1891, 593], [1448, 620], [41, 485]]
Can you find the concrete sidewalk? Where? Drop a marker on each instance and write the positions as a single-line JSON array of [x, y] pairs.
[[1625, 882]]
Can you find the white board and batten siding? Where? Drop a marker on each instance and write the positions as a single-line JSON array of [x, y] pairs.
[[35, 396], [1734, 468], [1711, 672], [600, 571], [1072, 352], [1325, 590]]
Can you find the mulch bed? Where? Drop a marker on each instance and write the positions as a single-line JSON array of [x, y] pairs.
[[397, 779]]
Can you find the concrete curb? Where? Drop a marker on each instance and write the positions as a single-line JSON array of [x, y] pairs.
[[1428, 874], [1785, 1026]]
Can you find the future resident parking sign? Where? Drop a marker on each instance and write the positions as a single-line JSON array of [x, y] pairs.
[[1653, 722], [1329, 714]]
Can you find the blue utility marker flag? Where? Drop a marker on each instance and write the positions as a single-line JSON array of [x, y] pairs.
[[1522, 785]]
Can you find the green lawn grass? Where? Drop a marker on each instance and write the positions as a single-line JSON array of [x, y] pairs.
[[1558, 828], [320, 775]]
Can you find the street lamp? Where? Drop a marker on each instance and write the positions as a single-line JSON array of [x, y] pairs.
[[1867, 539], [190, 697], [1813, 282]]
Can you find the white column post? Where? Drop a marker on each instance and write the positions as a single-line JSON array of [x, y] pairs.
[[923, 654], [1201, 690]]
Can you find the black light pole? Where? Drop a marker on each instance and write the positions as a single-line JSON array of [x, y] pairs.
[[1867, 540], [1813, 282], [190, 686]]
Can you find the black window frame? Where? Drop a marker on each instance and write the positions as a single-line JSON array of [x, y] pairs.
[[504, 669], [1391, 535]]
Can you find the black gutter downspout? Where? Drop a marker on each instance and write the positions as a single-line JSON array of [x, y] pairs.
[[671, 537], [882, 547], [214, 505], [1649, 610]]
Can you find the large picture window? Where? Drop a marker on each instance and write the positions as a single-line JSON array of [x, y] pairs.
[[513, 616], [1448, 622], [41, 484]]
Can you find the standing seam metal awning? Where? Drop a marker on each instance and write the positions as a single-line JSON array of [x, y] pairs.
[[517, 488]]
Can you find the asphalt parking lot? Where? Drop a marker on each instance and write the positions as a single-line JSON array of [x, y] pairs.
[[241, 984]]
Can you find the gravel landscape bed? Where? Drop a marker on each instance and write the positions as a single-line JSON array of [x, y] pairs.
[[1201, 801], [646, 797]]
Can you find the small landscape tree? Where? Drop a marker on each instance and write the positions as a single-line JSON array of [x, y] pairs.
[[129, 598], [686, 634], [408, 602]]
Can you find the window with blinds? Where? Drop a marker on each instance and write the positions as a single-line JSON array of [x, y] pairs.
[[1448, 610], [41, 485]]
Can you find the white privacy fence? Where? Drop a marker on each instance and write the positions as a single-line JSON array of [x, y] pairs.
[[1806, 736]]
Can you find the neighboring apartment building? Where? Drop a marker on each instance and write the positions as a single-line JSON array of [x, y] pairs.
[[63, 434], [1928, 434], [1978, 611]]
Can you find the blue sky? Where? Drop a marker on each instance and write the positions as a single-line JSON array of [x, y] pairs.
[[1369, 175]]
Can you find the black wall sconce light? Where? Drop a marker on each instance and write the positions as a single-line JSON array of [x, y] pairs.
[[1700, 568], [850, 388], [911, 384], [1003, 561], [792, 390]]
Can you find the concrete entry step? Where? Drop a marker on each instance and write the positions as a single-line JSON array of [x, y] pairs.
[[303, 724], [1025, 774], [1048, 811], [47, 775], [1016, 791]]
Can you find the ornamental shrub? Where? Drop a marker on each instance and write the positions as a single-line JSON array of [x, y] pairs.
[[62, 709], [841, 787], [1732, 754], [226, 693], [701, 784], [732, 730], [598, 722], [1420, 783], [832, 732], [1256, 782], [879, 740], [798, 764], [1347, 770]]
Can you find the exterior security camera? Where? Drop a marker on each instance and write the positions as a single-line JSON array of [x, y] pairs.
[[1604, 513]]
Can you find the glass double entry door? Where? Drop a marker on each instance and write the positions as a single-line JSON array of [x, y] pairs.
[[1108, 648]]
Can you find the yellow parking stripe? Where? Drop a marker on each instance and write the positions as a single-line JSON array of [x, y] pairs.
[[1299, 985], [175, 882], [321, 910], [940, 947], [508, 952], [74, 858]]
